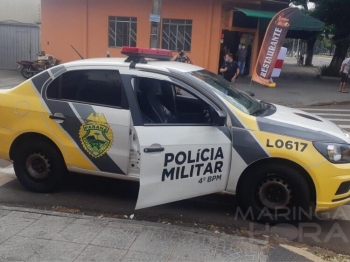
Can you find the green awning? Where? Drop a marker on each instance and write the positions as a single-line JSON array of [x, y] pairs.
[[256, 13], [305, 22], [303, 27]]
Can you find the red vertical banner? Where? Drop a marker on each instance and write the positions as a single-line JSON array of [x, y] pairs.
[[271, 45]]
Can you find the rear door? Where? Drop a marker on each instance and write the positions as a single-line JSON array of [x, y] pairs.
[[185, 159], [90, 107]]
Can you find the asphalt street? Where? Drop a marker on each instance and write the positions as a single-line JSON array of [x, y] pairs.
[[340, 114]]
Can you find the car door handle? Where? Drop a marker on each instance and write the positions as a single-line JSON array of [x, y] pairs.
[[153, 149], [58, 117]]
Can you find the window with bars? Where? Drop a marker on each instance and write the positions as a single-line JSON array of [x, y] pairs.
[[177, 34], [122, 31]]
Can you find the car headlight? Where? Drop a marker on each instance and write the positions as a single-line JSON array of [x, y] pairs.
[[335, 153]]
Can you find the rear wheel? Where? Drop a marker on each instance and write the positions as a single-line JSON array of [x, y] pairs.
[[25, 73], [275, 193], [39, 166]]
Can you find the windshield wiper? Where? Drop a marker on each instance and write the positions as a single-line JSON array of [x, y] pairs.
[[264, 106]]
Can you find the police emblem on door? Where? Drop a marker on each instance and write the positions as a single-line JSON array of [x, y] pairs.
[[96, 135]]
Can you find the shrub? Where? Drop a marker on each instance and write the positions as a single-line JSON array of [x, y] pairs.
[[326, 70]]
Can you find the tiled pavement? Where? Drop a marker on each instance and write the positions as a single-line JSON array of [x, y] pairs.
[[35, 235]]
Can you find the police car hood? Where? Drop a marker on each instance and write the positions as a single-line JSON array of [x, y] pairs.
[[300, 124]]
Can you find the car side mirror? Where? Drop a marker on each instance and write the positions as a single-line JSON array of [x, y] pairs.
[[219, 118]]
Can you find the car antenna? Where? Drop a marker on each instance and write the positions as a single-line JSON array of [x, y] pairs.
[[77, 52]]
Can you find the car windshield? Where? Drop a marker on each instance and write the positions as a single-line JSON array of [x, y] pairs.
[[225, 89]]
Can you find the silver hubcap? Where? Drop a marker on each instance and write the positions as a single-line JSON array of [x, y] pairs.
[[38, 166], [274, 193]]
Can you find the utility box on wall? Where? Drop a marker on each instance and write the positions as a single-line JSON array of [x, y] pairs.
[[18, 42]]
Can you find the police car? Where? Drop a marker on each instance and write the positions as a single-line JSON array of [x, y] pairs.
[[178, 129]]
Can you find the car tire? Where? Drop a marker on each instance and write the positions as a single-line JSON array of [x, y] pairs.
[[39, 166], [274, 193]]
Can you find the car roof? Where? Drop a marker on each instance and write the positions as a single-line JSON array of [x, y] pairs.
[[120, 62]]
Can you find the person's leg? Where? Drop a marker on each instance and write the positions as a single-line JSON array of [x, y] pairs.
[[242, 68], [342, 89], [239, 66], [343, 82], [341, 86]]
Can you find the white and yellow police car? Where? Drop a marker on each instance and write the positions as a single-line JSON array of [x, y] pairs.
[[178, 129]]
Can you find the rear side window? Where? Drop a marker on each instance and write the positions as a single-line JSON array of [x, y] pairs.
[[100, 87]]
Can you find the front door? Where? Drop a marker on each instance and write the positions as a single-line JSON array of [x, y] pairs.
[[180, 158], [91, 108]]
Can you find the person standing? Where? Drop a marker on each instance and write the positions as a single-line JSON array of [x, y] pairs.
[[241, 58], [221, 58], [182, 57], [344, 73], [229, 68]]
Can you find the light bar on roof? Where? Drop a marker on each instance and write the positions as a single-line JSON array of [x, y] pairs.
[[154, 53]]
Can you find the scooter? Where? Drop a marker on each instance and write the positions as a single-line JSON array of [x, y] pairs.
[[30, 68]]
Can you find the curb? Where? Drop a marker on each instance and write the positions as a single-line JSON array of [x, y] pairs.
[[329, 77], [330, 103]]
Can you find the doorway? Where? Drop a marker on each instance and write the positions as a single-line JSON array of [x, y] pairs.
[[232, 40]]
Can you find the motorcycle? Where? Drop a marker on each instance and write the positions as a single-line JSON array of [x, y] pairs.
[[30, 68]]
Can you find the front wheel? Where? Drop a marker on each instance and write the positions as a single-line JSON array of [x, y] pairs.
[[39, 166], [275, 193], [26, 73]]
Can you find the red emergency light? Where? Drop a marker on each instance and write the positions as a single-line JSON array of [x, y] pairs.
[[136, 53]]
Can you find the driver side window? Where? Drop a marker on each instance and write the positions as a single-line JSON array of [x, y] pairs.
[[163, 102], [180, 92]]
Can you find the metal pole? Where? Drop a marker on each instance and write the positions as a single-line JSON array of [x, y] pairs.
[[155, 27], [293, 47]]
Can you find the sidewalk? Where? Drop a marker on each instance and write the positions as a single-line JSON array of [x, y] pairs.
[[36, 235], [9, 79], [297, 86]]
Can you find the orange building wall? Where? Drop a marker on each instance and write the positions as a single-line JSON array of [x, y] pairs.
[[84, 24], [63, 26]]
